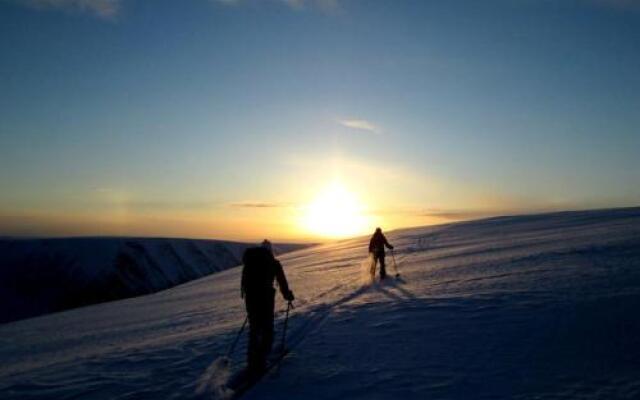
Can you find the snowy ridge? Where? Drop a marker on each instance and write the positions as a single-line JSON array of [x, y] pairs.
[[524, 307], [38, 276]]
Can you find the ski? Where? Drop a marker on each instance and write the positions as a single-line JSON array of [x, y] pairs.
[[240, 382]]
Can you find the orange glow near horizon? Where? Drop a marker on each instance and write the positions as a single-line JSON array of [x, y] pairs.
[[318, 200]]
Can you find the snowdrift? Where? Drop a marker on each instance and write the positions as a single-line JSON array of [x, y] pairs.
[[531, 307], [38, 276]]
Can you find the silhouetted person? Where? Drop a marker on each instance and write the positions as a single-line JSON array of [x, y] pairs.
[[259, 271], [376, 247]]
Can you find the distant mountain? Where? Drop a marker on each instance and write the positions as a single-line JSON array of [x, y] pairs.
[[40, 276]]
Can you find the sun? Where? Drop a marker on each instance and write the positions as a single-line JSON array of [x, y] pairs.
[[335, 213]]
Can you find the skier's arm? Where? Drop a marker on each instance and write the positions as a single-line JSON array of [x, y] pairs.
[[282, 282], [242, 283], [243, 279], [387, 243]]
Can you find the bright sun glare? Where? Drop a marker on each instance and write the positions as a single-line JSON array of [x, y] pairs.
[[336, 213]]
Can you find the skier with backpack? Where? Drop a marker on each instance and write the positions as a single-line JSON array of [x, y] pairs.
[[260, 269], [376, 248]]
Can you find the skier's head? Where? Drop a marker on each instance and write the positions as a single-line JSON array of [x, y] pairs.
[[267, 245], [378, 230]]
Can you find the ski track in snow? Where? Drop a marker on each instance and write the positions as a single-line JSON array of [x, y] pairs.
[[515, 307]]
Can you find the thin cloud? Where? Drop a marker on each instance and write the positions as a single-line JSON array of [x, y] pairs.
[[454, 215], [257, 204], [105, 9], [457, 214], [360, 124], [150, 205], [323, 5], [621, 4], [109, 9]]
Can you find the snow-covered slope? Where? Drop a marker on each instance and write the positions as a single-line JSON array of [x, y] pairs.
[[526, 307], [38, 276]]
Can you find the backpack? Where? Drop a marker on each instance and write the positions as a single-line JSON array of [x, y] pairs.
[[258, 272]]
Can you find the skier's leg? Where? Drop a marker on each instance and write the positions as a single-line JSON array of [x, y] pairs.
[[383, 269], [253, 350], [264, 333], [268, 326]]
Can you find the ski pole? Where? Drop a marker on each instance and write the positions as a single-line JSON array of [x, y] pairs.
[[284, 330], [395, 266], [233, 345]]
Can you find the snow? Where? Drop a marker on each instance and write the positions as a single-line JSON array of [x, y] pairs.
[[39, 276], [525, 307]]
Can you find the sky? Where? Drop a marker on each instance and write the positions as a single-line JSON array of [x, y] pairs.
[[303, 120]]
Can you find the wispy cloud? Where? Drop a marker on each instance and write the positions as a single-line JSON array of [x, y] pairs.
[[323, 5], [360, 124], [445, 214], [228, 2], [257, 204], [151, 205], [109, 9], [106, 9], [621, 4], [457, 214]]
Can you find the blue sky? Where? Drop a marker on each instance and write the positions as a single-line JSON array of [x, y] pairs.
[[224, 118]]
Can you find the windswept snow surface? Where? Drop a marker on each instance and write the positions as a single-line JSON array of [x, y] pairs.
[[526, 307], [39, 276]]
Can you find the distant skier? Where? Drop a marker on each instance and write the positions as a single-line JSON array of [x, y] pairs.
[[376, 247], [259, 271]]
